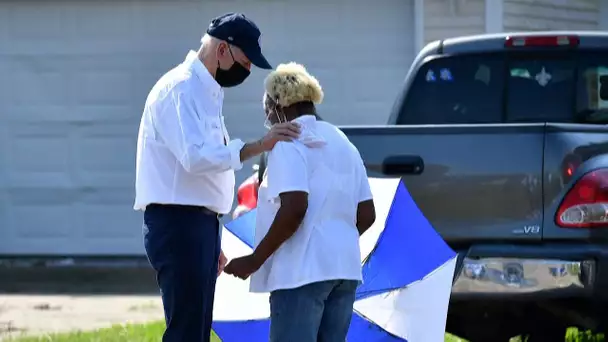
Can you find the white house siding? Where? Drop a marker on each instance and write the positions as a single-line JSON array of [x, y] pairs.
[[452, 18], [75, 75], [538, 15]]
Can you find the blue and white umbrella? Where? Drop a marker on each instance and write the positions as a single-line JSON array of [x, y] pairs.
[[407, 277]]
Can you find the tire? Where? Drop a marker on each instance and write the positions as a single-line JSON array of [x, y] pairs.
[[550, 335], [544, 330], [480, 329]]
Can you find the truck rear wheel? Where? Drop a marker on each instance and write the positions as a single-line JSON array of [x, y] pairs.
[[475, 326], [500, 321], [547, 333]]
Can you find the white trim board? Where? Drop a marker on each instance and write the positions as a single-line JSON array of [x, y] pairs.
[[603, 21], [494, 16], [418, 26]]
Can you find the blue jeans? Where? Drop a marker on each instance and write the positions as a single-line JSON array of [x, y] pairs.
[[314, 312], [183, 246]]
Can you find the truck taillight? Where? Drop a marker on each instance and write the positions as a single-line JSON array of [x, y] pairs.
[[542, 41], [586, 204]]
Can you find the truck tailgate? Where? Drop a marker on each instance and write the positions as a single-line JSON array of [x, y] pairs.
[[479, 181]]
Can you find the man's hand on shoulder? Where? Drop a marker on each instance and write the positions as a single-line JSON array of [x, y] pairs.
[[286, 131]]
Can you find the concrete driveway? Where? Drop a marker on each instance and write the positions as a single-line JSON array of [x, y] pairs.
[[40, 314], [39, 300]]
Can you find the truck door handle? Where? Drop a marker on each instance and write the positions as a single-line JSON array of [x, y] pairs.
[[403, 165]]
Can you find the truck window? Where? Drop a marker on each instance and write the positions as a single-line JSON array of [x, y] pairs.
[[540, 89], [592, 89], [458, 90], [565, 87]]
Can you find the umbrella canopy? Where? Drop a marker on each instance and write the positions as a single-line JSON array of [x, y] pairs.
[[407, 277]]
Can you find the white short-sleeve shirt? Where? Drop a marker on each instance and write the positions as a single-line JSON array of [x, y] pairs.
[[326, 245]]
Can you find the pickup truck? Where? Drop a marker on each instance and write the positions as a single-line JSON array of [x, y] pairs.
[[502, 142]]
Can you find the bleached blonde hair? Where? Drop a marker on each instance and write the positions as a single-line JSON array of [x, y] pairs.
[[290, 83]]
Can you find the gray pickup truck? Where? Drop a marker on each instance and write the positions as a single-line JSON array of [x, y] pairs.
[[502, 142]]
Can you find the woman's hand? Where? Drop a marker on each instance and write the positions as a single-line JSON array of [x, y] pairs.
[[243, 267]]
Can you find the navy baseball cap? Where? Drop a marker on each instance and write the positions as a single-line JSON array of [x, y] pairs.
[[240, 31]]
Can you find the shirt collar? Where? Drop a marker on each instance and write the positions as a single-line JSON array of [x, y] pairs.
[[306, 119], [308, 134], [193, 63]]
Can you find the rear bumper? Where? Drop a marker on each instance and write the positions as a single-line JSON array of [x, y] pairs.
[[511, 271], [514, 276]]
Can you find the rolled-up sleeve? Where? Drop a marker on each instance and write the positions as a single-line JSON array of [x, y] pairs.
[[186, 134], [235, 146], [365, 191]]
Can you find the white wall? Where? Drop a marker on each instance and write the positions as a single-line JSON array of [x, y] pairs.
[[452, 18], [535, 15]]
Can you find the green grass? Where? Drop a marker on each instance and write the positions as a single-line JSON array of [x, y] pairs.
[[452, 338], [152, 332]]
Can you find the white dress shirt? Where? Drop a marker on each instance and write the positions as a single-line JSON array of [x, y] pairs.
[[184, 154], [326, 165]]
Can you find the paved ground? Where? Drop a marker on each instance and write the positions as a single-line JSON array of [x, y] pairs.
[[41, 300]]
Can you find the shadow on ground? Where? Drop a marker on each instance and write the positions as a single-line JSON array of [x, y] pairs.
[[108, 277]]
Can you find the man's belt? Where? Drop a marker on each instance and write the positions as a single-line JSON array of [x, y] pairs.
[[202, 209]]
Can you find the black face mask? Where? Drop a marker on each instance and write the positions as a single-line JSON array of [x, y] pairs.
[[234, 76]]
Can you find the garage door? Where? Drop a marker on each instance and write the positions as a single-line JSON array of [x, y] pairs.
[[75, 74]]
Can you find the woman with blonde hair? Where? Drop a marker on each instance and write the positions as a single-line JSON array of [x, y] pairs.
[[313, 204]]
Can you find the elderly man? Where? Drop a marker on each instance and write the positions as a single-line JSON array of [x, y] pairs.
[[185, 171], [314, 203]]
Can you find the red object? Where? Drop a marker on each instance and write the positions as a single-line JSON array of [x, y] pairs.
[[569, 166], [586, 204], [247, 196], [542, 41], [570, 171]]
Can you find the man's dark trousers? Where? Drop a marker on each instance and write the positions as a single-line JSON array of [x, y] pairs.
[[183, 246]]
